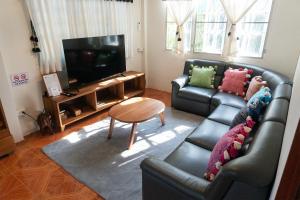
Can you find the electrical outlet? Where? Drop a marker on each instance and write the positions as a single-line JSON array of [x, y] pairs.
[[21, 112]]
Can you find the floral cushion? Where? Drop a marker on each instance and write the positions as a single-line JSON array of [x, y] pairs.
[[255, 85], [235, 81], [228, 148], [258, 102]]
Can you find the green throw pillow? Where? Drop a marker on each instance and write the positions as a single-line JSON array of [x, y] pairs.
[[203, 77]]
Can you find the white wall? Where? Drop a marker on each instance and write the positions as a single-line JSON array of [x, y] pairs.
[[282, 44], [291, 126], [16, 52], [8, 104]]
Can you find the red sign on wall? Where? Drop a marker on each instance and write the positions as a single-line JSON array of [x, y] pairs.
[[19, 79]]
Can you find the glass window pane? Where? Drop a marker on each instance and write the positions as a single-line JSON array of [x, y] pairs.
[[171, 35], [170, 16], [210, 11], [187, 40], [260, 12], [210, 27], [253, 28], [198, 45], [251, 38], [209, 37]]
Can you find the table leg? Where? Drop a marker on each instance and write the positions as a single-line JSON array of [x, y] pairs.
[[162, 118], [132, 135], [111, 127]]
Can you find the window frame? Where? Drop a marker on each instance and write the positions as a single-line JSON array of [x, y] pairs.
[[193, 35]]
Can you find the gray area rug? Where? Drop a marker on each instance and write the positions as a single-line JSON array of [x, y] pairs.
[[106, 166]]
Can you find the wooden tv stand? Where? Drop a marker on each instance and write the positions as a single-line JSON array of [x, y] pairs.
[[94, 98]]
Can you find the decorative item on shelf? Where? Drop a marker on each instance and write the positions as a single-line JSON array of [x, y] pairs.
[[74, 109], [45, 122], [52, 84], [34, 39], [64, 114]]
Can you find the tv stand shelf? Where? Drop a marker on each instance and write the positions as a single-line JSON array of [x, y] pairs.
[[94, 98]]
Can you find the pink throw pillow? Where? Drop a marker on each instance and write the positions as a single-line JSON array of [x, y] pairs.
[[254, 86], [235, 80], [228, 148]]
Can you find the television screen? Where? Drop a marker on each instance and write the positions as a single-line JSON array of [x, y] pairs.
[[94, 58]]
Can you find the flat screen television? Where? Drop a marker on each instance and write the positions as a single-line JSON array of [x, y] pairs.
[[94, 58]]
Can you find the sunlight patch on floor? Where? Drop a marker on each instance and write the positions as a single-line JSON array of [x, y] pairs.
[[137, 147], [181, 129], [162, 137], [97, 125], [131, 160], [73, 137]]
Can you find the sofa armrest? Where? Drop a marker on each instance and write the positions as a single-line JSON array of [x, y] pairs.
[[186, 183], [180, 82]]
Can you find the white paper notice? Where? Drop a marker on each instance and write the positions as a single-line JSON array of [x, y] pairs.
[[52, 85]]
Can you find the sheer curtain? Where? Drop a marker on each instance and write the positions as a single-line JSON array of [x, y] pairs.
[[55, 20], [235, 10], [181, 12]]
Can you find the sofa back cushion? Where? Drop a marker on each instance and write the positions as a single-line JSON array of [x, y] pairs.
[[274, 79], [258, 166], [283, 91], [206, 63], [277, 111], [257, 71]]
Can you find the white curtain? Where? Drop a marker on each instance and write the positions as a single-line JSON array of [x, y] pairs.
[[235, 10], [55, 20], [181, 12]]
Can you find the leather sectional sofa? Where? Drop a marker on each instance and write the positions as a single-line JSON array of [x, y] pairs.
[[250, 176]]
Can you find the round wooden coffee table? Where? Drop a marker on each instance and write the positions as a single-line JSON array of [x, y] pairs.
[[135, 110]]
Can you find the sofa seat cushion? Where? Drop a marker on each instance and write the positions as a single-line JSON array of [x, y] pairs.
[[207, 134], [190, 158], [228, 99], [224, 114], [202, 95]]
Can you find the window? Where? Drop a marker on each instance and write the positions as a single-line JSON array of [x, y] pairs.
[[206, 30], [171, 32], [252, 29], [210, 27]]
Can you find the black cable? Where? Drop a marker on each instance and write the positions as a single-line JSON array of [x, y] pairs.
[[24, 113]]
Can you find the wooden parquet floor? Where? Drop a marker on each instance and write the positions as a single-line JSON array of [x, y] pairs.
[[28, 174]]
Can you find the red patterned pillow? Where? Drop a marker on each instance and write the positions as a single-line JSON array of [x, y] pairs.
[[254, 86], [228, 148], [235, 81]]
